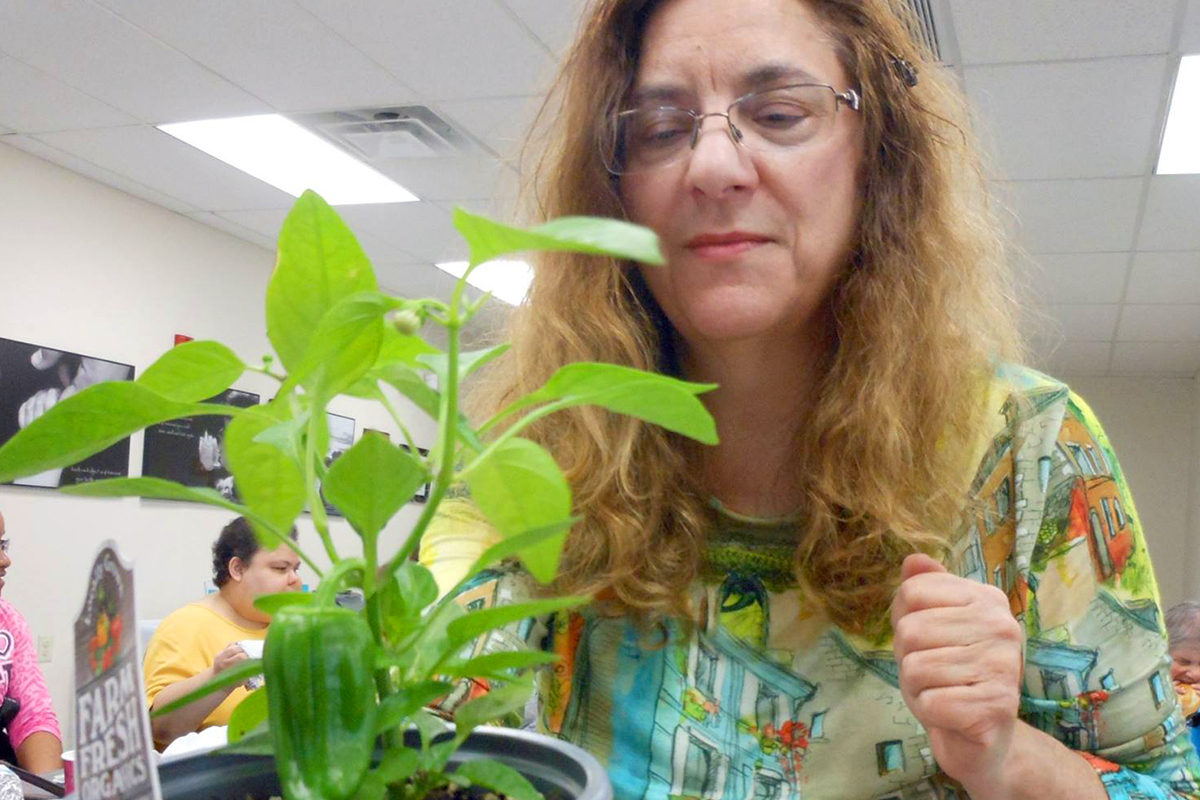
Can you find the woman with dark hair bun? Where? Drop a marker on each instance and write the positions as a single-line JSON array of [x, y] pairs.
[[194, 644], [911, 567]]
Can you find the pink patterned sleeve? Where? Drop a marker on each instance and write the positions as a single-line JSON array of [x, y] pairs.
[[22, 679]]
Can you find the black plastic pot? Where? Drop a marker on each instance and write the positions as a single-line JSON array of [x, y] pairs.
[[559, 770]]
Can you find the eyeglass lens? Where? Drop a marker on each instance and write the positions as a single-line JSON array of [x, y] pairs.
[[782, 118]]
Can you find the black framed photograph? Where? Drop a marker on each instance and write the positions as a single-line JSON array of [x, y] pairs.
[[191, 450], [341, 439], [33, 378], [423, 493]]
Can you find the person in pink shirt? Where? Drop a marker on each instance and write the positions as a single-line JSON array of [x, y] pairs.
[[33, 733]]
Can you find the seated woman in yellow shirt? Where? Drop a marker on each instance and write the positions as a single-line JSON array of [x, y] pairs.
[[197, 642]]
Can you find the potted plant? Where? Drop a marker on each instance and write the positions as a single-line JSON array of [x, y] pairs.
[[343, 712]]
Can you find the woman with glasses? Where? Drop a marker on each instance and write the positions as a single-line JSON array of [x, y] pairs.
[[910, 567], [27, 715]]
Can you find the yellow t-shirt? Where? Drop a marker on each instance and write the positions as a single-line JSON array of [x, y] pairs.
[[184, 644]]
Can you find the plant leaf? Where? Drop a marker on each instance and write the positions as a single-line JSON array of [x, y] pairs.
[[494, 665], [519, 487], [499, 778], [408, 382], [397, 708], [412, 589], [319, 263], [658, 399], [371, 482], [433, 645], [255, 743], [232, 676], [519, 544], [345, 344], [269, 481], [271, 603], [193, 371], [468, 362], [497, 703], [399, 348], [153, 488], [248, 714], [86, 423], [397, 765], [600, 236], [472, 625]]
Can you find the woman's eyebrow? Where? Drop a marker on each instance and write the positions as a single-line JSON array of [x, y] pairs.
[[774, 72], [665, 93]]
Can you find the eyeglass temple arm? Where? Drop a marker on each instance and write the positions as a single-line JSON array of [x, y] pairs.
[[851, 98]]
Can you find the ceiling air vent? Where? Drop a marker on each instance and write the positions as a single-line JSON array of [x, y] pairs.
[[388, 132]]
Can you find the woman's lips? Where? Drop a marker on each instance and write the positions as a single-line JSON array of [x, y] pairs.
[[724, 246]]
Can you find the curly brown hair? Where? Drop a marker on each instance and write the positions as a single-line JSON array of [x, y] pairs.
[[922, 313]]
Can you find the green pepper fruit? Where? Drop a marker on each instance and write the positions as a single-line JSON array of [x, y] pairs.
[[318, 664]]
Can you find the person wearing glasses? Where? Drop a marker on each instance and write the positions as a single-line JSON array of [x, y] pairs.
[[27, 715], [911, 567]]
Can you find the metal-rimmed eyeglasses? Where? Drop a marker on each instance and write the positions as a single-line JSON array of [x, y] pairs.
[[782, 118]]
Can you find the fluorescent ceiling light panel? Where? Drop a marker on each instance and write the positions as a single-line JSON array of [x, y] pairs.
[[289, 157], [1181, 143], [507, 280]]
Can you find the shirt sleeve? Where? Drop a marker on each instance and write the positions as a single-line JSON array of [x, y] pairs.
[[1097, 674], [171, 656], [29, 686]]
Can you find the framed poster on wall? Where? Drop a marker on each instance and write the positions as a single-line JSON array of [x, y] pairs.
[[341, 439], [190, 450], [33, 378]]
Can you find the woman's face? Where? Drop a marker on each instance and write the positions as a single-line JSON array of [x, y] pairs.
[[268, 572], [754, 240]]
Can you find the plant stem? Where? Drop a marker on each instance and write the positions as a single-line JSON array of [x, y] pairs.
[[267, 372], [447, 430], [395, 415]]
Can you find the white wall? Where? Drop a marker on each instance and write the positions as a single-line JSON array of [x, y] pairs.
[[1152, 423], [89, 269]]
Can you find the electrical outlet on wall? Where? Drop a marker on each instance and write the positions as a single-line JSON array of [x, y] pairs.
[[45, 649]]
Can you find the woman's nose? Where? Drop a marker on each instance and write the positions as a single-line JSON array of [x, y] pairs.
[[717, 163]]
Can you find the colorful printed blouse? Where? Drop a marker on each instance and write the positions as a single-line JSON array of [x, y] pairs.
[[767, 700]]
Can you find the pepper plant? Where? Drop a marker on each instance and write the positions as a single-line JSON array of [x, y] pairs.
[[343, 687]]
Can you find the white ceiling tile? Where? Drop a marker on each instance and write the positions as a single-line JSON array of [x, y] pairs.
[[32, 102], [1172, 220], [1159, 323], [1164, 278], [1075, 358], [1084, 323], [1077, 277], [553, 21], [272, 48], [501, 123], [167, 165], [410, 280], [88, 47], [1156, 358], [443, 49], [1086, 216], [265, 222], [1190, 40], [422, 231], [1059, 120], [99, 174], [232, 228], [476, 176], [1038, 30]]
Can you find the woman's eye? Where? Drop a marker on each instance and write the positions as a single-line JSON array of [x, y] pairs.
[[780, 115]]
